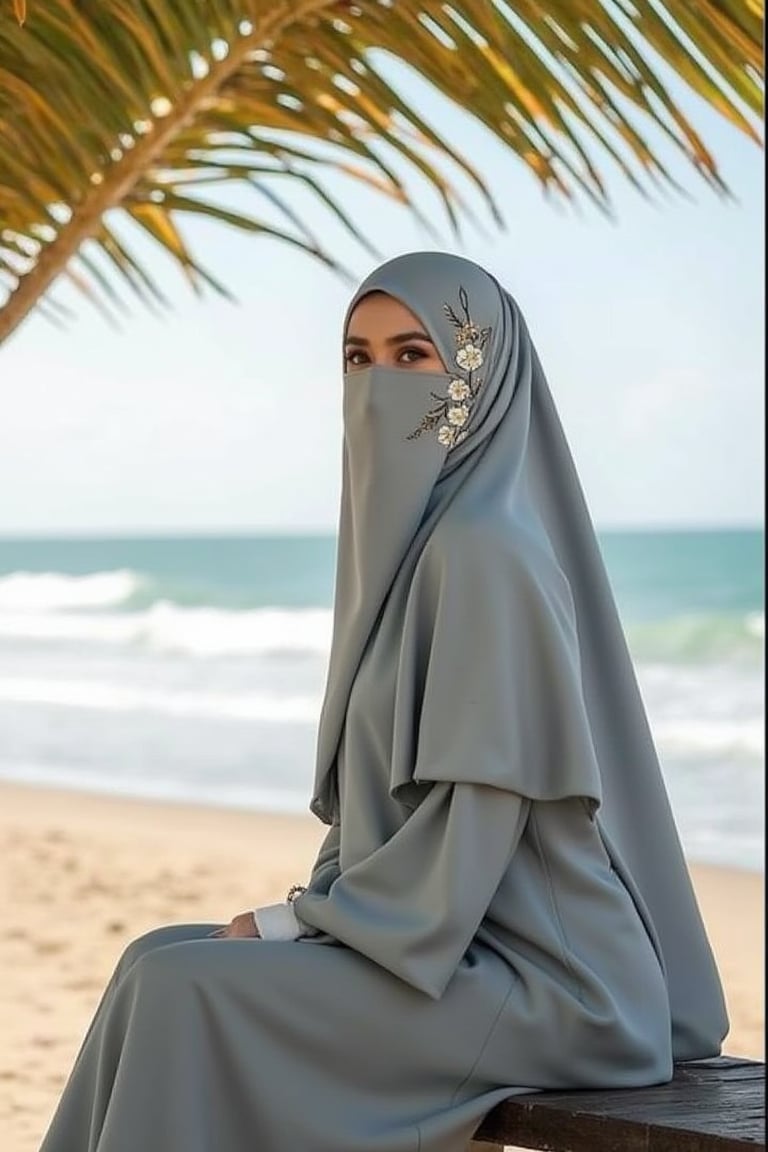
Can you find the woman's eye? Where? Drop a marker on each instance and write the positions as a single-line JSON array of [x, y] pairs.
[[411, 355], [355, 358]]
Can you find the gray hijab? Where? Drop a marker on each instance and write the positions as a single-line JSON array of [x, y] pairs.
[[467, 556]]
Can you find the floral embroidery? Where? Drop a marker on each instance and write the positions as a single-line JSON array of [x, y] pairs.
[[458, 415], [458, 390], [451, 413], [469, 357]]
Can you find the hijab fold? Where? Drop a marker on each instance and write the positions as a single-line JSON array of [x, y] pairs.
[[467, 557]]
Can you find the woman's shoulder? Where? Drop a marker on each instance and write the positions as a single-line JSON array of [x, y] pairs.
[[500, 567]]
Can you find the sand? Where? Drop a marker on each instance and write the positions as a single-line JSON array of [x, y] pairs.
[[82, 875]]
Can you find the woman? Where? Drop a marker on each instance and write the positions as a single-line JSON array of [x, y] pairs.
[[501, 903]]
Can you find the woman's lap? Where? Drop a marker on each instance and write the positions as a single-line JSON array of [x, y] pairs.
[[160, 938]]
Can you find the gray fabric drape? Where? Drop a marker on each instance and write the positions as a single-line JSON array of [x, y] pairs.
[[476, 564]]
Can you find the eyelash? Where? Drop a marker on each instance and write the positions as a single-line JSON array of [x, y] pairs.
[[415, 353], [418, 354]]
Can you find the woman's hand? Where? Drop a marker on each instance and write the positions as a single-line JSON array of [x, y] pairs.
[[243, 925]]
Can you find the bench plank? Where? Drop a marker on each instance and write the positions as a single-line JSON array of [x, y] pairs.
[[709, 1106]]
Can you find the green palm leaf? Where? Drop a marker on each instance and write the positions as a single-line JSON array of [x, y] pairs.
[[124, 109]]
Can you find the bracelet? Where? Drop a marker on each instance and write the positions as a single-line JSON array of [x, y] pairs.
[[294, 891]]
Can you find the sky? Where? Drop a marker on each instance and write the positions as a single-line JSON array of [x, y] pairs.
[[216, 418]]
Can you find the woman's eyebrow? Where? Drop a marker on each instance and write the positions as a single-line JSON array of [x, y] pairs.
[[403, 336], [400, 338]]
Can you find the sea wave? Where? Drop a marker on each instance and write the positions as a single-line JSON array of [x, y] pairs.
[[57, 591], [201, 632], [699, 638], [755, 622], [119, 697], [128, 607], [742, 738], [713, 709]]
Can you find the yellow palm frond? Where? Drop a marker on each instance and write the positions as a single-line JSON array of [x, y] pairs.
[[126, 107]]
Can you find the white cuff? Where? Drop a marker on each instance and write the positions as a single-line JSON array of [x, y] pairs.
[[277, 922]]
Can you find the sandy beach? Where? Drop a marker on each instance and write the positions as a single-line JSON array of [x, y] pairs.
[[84, 874]]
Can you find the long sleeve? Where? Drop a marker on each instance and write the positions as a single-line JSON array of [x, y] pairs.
[[278, 921], [414, 905]]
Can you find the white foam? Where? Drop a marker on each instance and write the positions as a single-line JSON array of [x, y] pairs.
[[53, 591], [711, 709], [110, 697], [165, 627], [755, 623], [714, 737], [699, 638]]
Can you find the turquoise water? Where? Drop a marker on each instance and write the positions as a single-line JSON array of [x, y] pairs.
[[194, 667]]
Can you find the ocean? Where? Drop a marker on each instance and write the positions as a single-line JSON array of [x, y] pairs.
[[193, 669]]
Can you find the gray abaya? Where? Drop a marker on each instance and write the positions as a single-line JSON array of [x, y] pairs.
[[487, 914]]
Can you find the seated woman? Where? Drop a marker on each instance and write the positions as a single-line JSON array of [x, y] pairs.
[[501, 903]]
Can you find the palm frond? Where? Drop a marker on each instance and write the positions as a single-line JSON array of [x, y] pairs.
[[144, 110]]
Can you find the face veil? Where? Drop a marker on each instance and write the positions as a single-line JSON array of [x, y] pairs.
[[467, 560]]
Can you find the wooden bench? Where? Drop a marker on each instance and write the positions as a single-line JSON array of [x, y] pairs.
[[709, 1106]]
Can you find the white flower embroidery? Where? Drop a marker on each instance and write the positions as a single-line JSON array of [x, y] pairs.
[[459, 390], [458, 415], [451, 414], [469, 357]]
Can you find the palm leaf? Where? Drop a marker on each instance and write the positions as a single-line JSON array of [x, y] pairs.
[[126, 109]]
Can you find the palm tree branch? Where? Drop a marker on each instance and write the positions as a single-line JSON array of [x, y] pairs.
[[110, 106]]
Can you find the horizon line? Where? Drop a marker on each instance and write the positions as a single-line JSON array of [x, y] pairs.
[[275, 532]]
